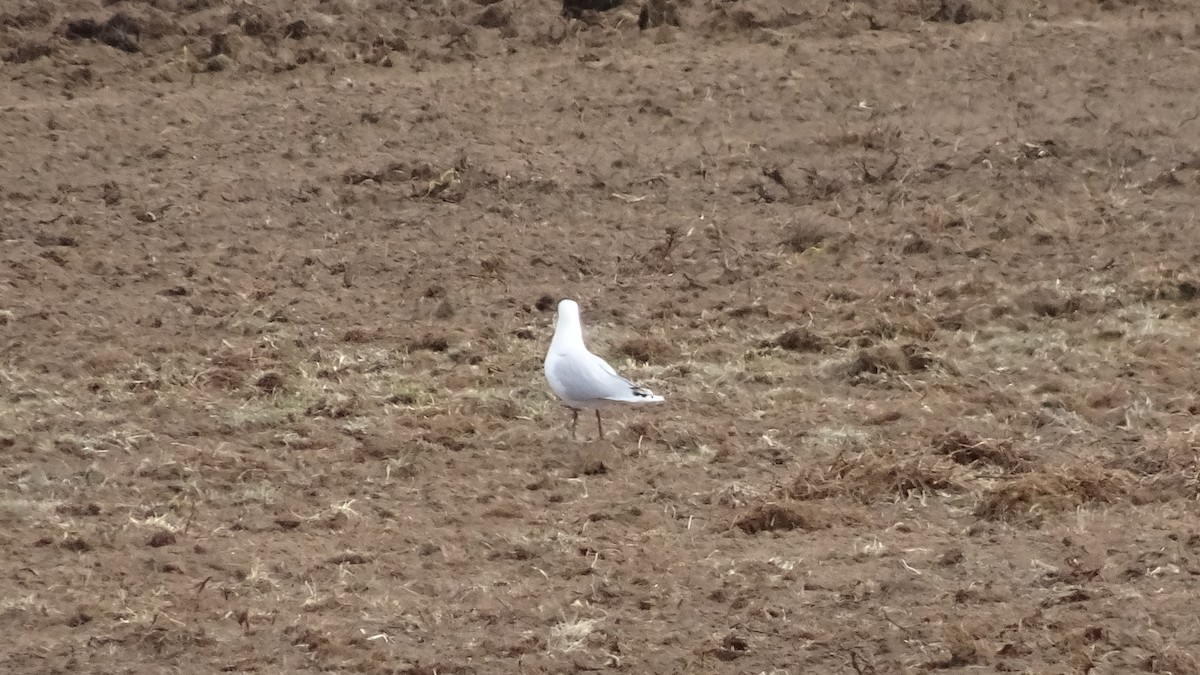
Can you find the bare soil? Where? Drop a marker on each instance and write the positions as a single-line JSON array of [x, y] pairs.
[[918, 279]]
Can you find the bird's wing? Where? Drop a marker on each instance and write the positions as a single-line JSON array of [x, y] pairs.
[[586, 377], [624, 389], [603, 365]]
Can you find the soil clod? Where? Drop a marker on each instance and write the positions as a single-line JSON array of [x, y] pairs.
[[161, 538]]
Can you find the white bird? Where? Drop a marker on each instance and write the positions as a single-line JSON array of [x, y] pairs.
[[582, 380]]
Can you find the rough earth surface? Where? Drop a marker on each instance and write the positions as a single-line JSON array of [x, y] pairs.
[[918, 279]]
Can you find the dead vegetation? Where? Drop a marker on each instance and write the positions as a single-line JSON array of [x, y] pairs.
[[916, 279], [895, 358], [869, 478], [649, 350], [799, 340], [779, 518], [969, 450], [1031, 497]]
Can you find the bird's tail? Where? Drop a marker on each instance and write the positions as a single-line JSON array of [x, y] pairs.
[[644, 395]]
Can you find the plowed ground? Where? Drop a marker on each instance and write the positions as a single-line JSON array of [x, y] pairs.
[[918, 281]]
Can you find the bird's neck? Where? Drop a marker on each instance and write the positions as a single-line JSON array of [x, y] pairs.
[[567, 334]]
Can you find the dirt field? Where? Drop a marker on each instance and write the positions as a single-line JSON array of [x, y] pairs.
[[918, 280]]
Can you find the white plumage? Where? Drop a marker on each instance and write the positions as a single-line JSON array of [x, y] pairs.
[[582, 380]]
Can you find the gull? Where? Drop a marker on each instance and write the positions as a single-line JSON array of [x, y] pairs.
[[582, 380]]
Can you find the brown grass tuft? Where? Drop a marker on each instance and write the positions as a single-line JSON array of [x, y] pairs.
[[1156, 460], [964, 651], [270, 382], [1163, 472], [799, 340], [802, 236], [160, 538], [1049, 302], [873, 478], [774, 517], [335, 406], [1028, 496], [890, 358], [432, 343], [649, 350], [967, 450], [76, 544], [227, 379]]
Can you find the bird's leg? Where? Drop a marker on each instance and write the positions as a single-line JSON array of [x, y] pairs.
[[574, 421], [599, 427]]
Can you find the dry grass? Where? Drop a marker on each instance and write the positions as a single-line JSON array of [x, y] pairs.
[[870, 477], [1030, 497], [929, 392], [837, 435], [777, 517], [570, 635]]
